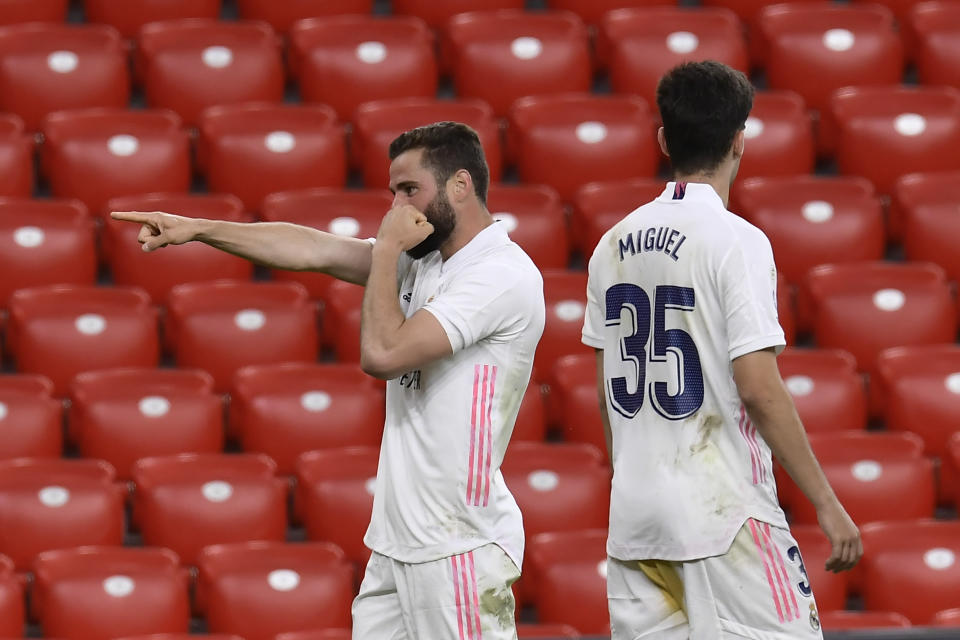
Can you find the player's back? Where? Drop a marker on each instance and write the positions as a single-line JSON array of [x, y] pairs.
[[677, 290]]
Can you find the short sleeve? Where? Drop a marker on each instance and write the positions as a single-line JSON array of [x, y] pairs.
[[487, 300], [594, 318], [748, 283]]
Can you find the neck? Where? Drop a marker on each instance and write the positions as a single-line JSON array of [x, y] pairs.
[[469, 224], [717, 180]]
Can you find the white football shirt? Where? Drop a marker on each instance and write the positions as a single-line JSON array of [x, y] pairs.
[[676, 291], [439, 490]]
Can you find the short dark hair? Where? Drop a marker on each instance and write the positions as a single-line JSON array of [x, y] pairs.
[[447, 148], [702, 105]]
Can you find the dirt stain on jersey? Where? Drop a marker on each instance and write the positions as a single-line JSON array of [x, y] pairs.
[[499, 604], [708, 424]]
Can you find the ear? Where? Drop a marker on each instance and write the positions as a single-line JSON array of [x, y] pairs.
[[460, 186], [663, 142], [739, 143]]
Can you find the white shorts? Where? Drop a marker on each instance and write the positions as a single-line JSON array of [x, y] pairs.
[[463, 597], [758, 589]]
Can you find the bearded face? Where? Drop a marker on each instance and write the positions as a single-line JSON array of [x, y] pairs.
[[440, 214]]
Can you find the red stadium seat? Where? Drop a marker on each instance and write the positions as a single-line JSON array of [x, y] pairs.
[[158, 272], [875, 481], [95, 593], [565, 294], [45, 242], [566, 141], [31, 420], [901, 8], [129, 16], [341, 320], [224, 325], [947, 618], [181, 636], [931, 231], [886, 132], [911, 567], [60, 331], [570, 569], [923, 195], [529, 631], [377, 123], [830, 589], [283, 15], [597, 206], [499, 56], [48, 67], [316, 634], [531, 423], [870, 306], [779, 137], [283, 410], [843, 620], [920, 387], [827, 390], [950, 470], [936, 27], [54, 503], [188, 65], [334, 497], [814, 220], [260, 589], [122, 415], [814, 49], [12, 614], [97, 154], [344, 212], [640, 45], [533, 216], [347, 60], [17, 11], [16, 157], [189, 501], [593, 12], [550, 481], [574, 401], [436, 14], [253, 150]]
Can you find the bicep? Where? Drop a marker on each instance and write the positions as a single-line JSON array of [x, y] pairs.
[[756, 375], [420, 341]]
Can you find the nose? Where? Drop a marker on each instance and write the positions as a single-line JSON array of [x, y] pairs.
[[399, 199]]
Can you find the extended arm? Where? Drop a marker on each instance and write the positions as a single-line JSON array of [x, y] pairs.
[[772, 411], [390, 343], [278, 245]]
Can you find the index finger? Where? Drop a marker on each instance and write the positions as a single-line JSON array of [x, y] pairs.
[[132, 216]]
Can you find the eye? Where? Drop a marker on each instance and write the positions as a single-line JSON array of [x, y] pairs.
[[409, 191]]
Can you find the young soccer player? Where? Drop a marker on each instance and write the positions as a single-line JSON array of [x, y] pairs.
[[452, 314], [682, 314]]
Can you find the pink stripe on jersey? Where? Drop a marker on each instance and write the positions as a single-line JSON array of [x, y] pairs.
[[743, 432], [766, 567], [468, 600], [456, 591], [752, 430], [781, 587], [473, 429], [476, 598], [782, 571], [488, 463], [481, 439]]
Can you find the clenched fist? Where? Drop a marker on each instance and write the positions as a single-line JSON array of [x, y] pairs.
[[159, 229], [405, 227]]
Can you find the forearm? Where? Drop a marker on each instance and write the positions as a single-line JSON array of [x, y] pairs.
[[381, 315], [776, 419], [281, 245]]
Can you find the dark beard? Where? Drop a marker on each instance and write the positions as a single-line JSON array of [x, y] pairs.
[[440, 214]]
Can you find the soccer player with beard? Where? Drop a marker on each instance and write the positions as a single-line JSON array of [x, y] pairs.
[[452, 314]]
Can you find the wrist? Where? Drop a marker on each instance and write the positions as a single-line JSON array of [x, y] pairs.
[[202, 230], [386, 250]]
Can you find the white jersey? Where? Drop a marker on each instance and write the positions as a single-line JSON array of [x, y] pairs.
[[677, 290], [439, 490]]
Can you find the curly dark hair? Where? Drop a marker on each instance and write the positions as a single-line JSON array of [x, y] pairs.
[[448, 147], [702, 105]]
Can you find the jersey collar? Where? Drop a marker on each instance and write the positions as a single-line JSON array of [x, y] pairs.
[[491, 236], [690, 192]]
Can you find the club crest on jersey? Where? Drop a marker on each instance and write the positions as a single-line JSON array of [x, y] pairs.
[[814, 617]]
